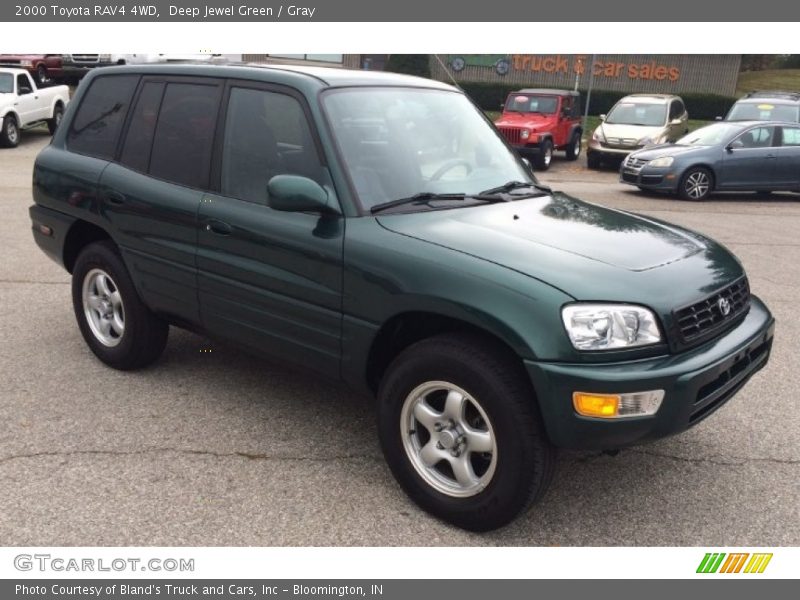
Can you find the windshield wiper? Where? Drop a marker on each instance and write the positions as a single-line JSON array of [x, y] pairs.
[[426, 197], [515, 185]]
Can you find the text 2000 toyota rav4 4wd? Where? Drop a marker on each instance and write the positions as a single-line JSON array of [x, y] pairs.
[[377, 228]]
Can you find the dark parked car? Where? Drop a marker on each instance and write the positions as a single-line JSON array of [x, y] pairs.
[[375, 228], [766, 105], [725, 156]]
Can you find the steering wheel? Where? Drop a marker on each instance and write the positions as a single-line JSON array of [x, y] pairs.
[[449, 165]]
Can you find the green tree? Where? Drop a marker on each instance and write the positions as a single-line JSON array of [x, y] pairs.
[[410, 64]]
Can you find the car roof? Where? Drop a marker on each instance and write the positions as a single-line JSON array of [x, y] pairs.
[[546, 91], [773, 95], [12, 71], [655, 98], [318, 76], [754, 122]]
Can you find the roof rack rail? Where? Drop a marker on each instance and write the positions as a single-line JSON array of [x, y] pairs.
[[789, 95]]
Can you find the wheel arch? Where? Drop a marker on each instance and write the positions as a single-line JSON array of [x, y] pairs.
[[81, 234], [404, 329]]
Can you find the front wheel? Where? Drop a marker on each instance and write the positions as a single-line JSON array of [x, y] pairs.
[[55, 121], [118, 328], [461, 432], [696, 184], [9, 135], [574, 147], [545, 156]]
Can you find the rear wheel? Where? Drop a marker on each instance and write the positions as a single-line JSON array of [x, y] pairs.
[[696, 184], [545, 156], [574, 147], [461, 432], [9, 136], [118, 328], [55, 121]]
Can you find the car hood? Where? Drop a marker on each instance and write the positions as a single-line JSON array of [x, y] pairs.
[[530, 121], [636, 132], [587, 251], [668, 150]]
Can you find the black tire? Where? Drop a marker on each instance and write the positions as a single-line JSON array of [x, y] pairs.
[[53, 123], [525, 458], [593, 160], [41, 75], [545, 156], [574, 147], [9, 135], [144, 336], [696, 184]]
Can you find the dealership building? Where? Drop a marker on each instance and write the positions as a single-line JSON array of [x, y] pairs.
[[654, 73]]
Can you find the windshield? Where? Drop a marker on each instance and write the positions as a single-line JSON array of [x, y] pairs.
[[638, 113], [763, 111], [399, 142], [710, 135], [6, 83], [527, 103]]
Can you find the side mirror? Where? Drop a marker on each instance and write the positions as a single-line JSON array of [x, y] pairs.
[[502, 106], [718, 118], [677, 121], [293, 193], [734, 144], [528, 164], [24, 90], [603, 117]]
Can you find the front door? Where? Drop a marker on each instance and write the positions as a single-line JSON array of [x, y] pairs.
[[270, 279], [749, 161]]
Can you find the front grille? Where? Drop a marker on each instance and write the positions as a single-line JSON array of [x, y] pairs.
[[635, 163], [86, 58], [620, 142], [512, 134], [703, 318]]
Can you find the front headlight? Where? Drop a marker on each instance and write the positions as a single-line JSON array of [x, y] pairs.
[[25, 63], [598, 136], [609, 326], [646, 141], [664, 161], [524, 134]]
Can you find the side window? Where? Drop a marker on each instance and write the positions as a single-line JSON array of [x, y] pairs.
[[676, 110], [96, 127], [185, 134], [266, 134], [142, 126], [791, 136], [760, 137], [23, 85]]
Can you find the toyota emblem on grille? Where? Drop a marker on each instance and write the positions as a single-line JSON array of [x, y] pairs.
[[724, 306]]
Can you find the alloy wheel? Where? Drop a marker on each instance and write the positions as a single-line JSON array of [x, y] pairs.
[[697, 185], [103, 307]]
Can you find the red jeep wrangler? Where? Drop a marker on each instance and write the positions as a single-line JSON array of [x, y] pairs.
[[535, 122]]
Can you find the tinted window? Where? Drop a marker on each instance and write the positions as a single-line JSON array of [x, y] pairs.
[[23, 85], [266, 134], [136, 151], [185, 133], [791, 136], [676, 110], [95, 129]]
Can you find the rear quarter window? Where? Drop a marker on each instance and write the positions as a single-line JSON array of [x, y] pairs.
[[97, 124]]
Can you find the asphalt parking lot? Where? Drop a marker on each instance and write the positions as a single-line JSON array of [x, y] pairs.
[[211, 447]]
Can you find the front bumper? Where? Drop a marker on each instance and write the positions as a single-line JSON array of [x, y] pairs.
[[696, 383], [651, 178], [601, 149]]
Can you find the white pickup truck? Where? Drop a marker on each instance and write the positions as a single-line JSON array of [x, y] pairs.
[[23, 105]]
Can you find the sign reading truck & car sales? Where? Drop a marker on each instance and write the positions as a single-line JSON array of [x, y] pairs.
[[651, 70]]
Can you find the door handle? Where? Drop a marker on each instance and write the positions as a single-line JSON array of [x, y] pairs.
[[218, 227], [114, 197]]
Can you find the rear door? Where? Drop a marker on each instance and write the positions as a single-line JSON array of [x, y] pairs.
[[152, 195], [749, 162], [787, 167], [270, 279]]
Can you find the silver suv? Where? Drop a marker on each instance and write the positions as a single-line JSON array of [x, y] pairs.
[[637, 121]]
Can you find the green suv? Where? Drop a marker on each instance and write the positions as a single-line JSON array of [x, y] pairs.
[[376, 228]]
